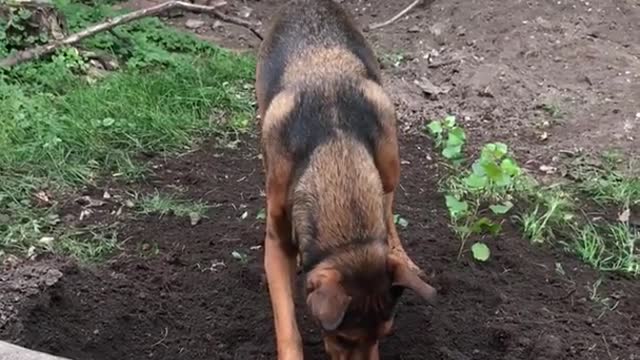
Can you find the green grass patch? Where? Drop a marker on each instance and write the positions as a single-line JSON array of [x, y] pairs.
[[61, 126], [162, 205]]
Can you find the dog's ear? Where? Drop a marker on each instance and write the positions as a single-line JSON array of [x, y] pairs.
[[326, 298], [403, 277]]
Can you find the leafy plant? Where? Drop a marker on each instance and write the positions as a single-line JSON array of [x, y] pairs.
[[449, 137], [480, 251], [494, 173], [400, 221]]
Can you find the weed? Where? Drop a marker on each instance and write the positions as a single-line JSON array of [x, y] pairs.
[[448, 136], [88, 245], [551, 210], [395, 59], [242, 257], [553, 110], [605, 303], [163, 205], [608, 247], [261, 215], [400, 221], [487, 185]]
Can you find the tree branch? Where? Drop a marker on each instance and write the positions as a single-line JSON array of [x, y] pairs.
[[253, 27], [39, 51], [396, 17]]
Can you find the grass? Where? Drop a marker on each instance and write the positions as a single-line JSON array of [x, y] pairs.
[[62, 126], [163, 205], [479, 194]]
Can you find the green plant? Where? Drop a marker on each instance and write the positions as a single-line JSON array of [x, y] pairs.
[[400, 221], [480, 251], [449, 137], [553, 110], [394, 59], [605, 303], [168, 205], [242, 257], [493, 174], [608, 247], [551, 210], [488, 185]]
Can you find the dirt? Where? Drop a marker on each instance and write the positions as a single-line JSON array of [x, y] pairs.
[[176, 291]]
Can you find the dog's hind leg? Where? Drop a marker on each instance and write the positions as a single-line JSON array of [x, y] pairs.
[[280, 254], [387, 161]]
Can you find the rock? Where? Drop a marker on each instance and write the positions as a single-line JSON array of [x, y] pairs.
[[13, 352], [429, 88], [413, 29], [194, 24]]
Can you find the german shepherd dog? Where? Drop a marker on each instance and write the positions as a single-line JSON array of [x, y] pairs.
[[330, 152]]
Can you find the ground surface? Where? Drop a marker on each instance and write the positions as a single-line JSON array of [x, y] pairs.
[[176, 291]]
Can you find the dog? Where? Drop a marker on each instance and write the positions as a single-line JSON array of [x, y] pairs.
[[330, 155]]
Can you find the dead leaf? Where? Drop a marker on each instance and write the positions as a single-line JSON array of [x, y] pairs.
[[31, 252], [245, 12], [106, 195], [85, 213], [41, 195], [625, 216], [544, 136], [46, 240], [549, 170], [195, 218], [87, 201]]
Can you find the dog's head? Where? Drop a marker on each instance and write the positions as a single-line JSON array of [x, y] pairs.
[[353, 298]]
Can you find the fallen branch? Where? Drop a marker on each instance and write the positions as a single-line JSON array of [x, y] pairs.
[[253, 27], [39, 51], [396, 17]]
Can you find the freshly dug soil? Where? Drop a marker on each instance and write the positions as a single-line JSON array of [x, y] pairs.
[[511, 71], [176, 291]]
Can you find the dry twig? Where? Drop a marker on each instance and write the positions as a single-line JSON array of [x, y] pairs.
[[396, 17], [39, 51]]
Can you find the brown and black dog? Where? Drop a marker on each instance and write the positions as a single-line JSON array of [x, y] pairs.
[[330, 153]]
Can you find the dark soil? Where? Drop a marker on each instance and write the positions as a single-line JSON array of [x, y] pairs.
[[175, 291]]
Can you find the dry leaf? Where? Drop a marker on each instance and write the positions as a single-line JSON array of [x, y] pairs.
[[548, 169], [625, 216], [195, 218], [544, 136], [87, 201], [84, 214], [41, 195], [46, 240]]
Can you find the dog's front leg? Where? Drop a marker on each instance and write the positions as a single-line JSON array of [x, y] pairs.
[[280, 266], [392, 233], [387, 159]]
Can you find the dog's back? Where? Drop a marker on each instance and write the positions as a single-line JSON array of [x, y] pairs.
[[311, 39]]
